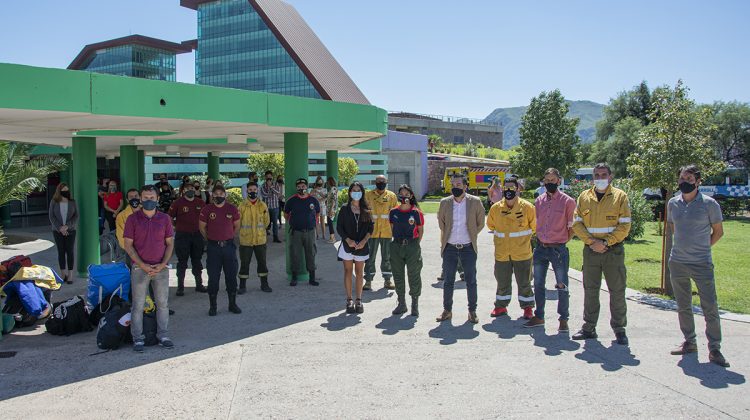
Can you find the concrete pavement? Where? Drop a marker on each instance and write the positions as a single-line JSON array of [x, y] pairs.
[[295, 354]]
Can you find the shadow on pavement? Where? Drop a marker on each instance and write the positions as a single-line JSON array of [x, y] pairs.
[[395, 323], [710, 375], [611, 358], [553, 345], [505, 327], [341, 322], [450, 334]]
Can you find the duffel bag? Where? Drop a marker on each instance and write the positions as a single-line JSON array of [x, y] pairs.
[[108, 279], [69, 317]]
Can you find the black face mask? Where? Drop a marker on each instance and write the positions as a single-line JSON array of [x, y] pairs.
[[404, 199], [551, 187], [134, 202], [219, 200], [686, 187], [509, 194], [190, 193], [301, 191], [380, 185], [457, 192], [65, 194], [253, 195]]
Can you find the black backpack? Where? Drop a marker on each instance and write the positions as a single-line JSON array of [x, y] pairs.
[[111, 334], [69, 317], [112, 301]]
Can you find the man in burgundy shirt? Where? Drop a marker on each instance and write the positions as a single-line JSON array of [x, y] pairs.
[[554, 218], [219, 224], [188, 241], [149, 241]]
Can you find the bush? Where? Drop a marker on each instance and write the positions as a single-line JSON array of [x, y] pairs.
[[732, 207], [234, 196], [343, 196]]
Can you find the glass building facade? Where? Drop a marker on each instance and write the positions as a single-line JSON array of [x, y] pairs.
[[236, 49], [134, 61]]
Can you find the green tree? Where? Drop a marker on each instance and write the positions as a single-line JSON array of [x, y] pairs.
[[548, 138], [680, 134], [21, 174], [634, 103], [348, 169], [731, 138], [262, 162], [618, 147]]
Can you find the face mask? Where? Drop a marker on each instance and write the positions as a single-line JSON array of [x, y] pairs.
[[403, 199], [300, 191], [65, 194], [601, 184], [551, 187], [509, 194], [457, 192], [356, 195], [253, 195], [380, 185], [163, 181], [189, 193], [686, 187], [149, 205], [219, 200], [134, 202], [320, 184], [112, 189], [197, 187]]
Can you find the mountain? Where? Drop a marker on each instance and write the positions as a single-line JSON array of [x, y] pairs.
[[588, 112]]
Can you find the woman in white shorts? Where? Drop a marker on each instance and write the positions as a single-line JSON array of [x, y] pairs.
[[354, 226]]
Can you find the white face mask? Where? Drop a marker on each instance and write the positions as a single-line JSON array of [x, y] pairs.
[[601, 184]]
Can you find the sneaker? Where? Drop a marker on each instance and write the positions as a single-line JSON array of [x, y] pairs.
[[584, 335], [534, 322], [685, 348], [138, 346], [563, 326], [499, 312], [350, 306], [528, 312], [716, 357], [166, 343]]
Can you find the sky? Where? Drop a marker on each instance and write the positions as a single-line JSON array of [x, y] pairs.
[[444, 57]]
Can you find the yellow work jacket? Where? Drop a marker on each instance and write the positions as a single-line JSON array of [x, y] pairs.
[[122, 217], [254, 219], [608, 219], [512, 229], [381, 205]]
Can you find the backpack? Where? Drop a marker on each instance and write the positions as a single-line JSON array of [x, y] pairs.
[[10, 267], [107, 303], [107, 279], [111, 334], [69, 317]]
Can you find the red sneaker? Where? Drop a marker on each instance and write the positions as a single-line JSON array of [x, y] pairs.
[[528, 312], [499, 312]]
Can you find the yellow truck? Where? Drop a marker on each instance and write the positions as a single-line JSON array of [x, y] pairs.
[[480, 179]]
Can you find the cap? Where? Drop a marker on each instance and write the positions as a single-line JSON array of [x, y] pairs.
[[301, 181]]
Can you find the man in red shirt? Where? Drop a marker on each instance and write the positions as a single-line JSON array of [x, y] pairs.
[[219, 223], [188, 241], [554, 218], [149, 241], [112, 201]]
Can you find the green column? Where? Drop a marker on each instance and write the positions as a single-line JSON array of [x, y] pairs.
[[332, 164], [129, 170], [141, 168], [213, 166], [84, 185], [295, 167]]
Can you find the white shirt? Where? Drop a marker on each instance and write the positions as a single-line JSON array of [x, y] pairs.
[[64, 211], [459, 231]]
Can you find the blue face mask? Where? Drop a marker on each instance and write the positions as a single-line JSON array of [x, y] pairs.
[[149, 205], [356, 195]]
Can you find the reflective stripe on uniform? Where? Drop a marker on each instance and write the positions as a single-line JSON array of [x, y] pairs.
[[503, 297], [519, 234], [601, 230], [625, 220], [499, 234], [384, 216], [526, 298], [578, 219]]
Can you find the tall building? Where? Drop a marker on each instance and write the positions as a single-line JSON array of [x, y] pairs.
[[134, 56]]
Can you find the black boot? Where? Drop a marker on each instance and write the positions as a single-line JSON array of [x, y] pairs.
[[294, 280], [199, 287], [264, 285], [401, 308], [312, 279], [415, 306], [243, 287], [276, 240], [233, 308], [212, 305], [180, 287]]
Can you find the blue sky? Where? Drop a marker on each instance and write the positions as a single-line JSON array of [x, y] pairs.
[[443, 57]]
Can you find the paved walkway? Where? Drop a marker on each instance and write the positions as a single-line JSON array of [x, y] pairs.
[[294, 354]]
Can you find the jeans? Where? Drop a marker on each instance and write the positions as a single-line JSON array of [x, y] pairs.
[[139, 282], [468, 257], [559, 257], [274, 214], [65, 249]]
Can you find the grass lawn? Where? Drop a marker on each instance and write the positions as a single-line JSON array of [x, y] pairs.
[[731, 257], [429, 206]]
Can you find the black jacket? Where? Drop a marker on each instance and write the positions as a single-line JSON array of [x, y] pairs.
[[347, 227]]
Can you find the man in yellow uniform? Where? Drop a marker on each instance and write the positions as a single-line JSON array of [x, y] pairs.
[[254, 219], [381, 201], [602, 221], [133, 198], [512, 221]]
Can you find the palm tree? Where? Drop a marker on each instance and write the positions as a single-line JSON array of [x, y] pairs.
[[21, 174]]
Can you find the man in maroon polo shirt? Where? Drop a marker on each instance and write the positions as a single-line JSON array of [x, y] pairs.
[[219, 223], [149, 241], [188, 241]]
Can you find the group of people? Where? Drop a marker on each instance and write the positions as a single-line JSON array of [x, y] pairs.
[[392, 223]]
